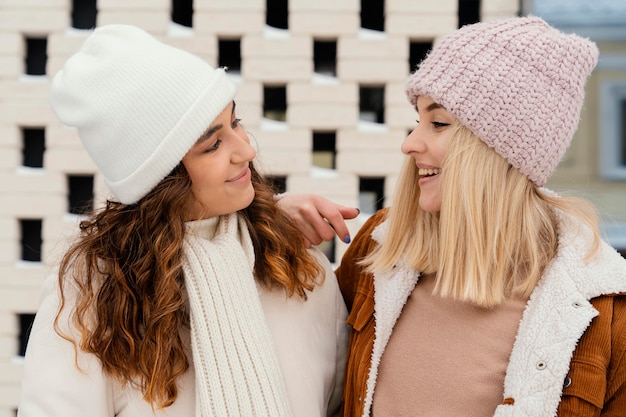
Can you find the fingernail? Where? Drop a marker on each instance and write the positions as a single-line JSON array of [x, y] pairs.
[[346, 239]]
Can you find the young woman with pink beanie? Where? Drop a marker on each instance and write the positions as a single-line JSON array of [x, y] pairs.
[[188, 293], [479, 292]]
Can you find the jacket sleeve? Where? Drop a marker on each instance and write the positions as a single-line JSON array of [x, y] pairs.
[[52, 385], [615, 403]]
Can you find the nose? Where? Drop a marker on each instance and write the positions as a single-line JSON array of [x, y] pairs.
[[243, 151], [413, 143]]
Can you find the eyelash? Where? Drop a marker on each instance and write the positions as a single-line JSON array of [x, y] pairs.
[[437, 125], [236, 123], [214, 147]]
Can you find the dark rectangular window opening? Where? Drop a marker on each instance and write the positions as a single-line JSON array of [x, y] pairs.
[[277, 13], [36, 56], [325, 57], [275, 103], [33, 147], [182, 12], [623, 133], [371, 194], [417, 53], [469, 12], [229, 54], [84, 14], [372, 104], [277, 182], [30, 239], [80, 198], [324, 149], [25, 323], [373, 15]]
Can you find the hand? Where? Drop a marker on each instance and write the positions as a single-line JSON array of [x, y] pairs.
[[317, 217]]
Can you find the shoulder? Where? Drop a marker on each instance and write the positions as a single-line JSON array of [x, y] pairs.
[[368, 233], [350, 274], [604, 273], [321, 259], [365, 239]]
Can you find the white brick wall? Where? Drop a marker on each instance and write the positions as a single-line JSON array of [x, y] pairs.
[[266, 59]]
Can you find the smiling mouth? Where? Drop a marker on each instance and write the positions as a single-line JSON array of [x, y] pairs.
[[424, 172], [238, 177]]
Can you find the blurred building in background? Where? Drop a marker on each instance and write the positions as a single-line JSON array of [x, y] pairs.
[[595, 164], [321, 90]]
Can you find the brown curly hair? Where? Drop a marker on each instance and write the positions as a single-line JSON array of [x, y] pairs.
[[126, 269]]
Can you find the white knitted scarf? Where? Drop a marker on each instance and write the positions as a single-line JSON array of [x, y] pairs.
[[235, 360]]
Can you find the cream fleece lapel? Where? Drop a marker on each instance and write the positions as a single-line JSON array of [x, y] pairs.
[[391, 290]]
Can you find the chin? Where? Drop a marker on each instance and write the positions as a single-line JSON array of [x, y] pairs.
[[430, 206], [249, 198]]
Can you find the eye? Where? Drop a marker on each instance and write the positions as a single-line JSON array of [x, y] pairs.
[[215, 146], [235, 123], [439, 125]]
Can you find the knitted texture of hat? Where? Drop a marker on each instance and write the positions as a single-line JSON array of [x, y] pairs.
[[139, 105], [517, 83]]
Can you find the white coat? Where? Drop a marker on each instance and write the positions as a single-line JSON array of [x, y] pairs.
[[310, 337]]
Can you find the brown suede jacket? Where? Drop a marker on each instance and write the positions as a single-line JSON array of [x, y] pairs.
[[596, 381]]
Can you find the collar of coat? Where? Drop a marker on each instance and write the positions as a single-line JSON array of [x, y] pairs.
[[557, 314]]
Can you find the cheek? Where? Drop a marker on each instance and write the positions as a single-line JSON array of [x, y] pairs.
[[193, 175], [442, 149], [200, 177], [198, 168]]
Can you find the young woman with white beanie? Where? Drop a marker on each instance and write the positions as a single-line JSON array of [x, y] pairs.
[[189, 293]]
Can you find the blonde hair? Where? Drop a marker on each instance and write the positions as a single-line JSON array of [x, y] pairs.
[[494, 235]]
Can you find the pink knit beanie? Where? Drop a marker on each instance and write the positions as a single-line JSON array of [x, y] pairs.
[[517, 83]]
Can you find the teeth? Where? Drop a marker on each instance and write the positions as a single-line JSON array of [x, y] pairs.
[[433, 171]]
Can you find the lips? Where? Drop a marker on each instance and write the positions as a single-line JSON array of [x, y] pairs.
[[241, 175], [427, 174]]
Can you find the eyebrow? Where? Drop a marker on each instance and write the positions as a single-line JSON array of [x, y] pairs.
[[431, 107], [206, 135]]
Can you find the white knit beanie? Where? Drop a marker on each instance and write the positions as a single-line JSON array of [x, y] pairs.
[[139, 105]]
